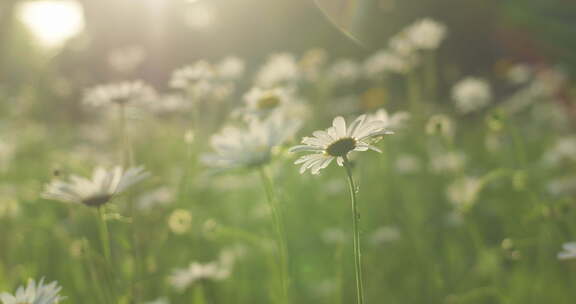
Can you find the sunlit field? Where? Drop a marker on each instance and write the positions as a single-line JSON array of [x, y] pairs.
[[326, 152]]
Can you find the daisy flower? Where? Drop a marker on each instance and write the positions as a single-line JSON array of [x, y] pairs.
[[427, 34], [391, 121], [471, 94], [34, 293], [251, 146], [98, 190], [338, 141], [280, 68], [569, 251], [134, 92], [262, 102], [218, 270]]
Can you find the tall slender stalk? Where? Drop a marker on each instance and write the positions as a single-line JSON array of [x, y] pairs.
[[105, 241], [355, 225], [279, 230]]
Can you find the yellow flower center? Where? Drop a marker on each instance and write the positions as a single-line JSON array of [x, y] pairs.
[[268, 101], [341, 147]]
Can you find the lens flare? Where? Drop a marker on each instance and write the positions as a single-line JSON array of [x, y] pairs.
[[52, 21]]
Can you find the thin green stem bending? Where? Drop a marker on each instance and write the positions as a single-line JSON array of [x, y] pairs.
[[355, 224], [279, 229]]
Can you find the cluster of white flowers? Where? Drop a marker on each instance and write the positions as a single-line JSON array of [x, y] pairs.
[[34, 293], [280, 69]]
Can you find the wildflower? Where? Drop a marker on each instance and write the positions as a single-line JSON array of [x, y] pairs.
[[34, 293], [262, 102], [338, 141], [170, 104], [464, 192], [569, 251], [448, 162], [440, 124], [95, 192], [279, 69], [180, 221], [135, 92], [158, 197], [426, 34], [385, 61], [385, 234], [471, 94], [565, 185], [231, 68], [334, 236], [564, 150], [218, 270], [407, 164], [391, 121], [241, 147], [344, 71]]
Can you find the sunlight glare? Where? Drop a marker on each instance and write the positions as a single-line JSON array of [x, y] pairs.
[[52, 21]]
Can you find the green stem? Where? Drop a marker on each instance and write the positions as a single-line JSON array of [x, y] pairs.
[[355, 223], [104, 235], [279, 229]]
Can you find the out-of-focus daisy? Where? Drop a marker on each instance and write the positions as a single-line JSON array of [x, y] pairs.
[[123, 93], [251, 146], [464, 192], [202, 80], [98, 190], [334, 236], [158, 197], [180, 221], [447, 162], [262, 102], [162, 300], [338, 141], [312, 63], [391, 121], [426, 34], [280, 69], [568, 251], [563, 151], [344, 71], [385, 234], [170, 104], [440, 124], [385, 61], [34, 293], [471, 94], [565, 185], [126, 59], [407, 164], [218, 270], [230, 68]]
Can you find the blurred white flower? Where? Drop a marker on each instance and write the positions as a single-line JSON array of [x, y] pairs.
[[312, 63], [280, 69], [263, 102], [426, 34], [34, 293], [334, 236], [338, 141], [564, 150], [231, 67], [391, 121], [471, 94], [440, 124], [568, 251], [385, 234], [202, 80], [464, 192], [519, 74], [98, 190], [407, 164], [385, 62], [162, 300], [126, 59], [218, 270], [562, 186], [251, 146], [170, 104], [447, 162], [344, 71], [129, 93], [158, 197]]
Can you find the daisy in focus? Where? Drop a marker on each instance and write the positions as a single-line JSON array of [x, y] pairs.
[[251, 146], [34, 293], [338, 141], [98, 190]]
